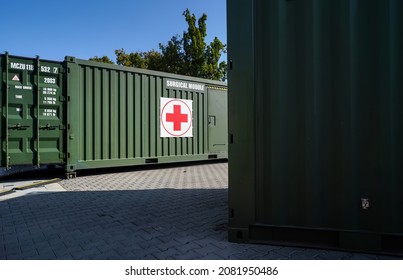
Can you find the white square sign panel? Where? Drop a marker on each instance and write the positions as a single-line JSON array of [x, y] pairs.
[[176, 117]]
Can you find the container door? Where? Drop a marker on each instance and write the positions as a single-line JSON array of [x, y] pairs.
[[217, 121], [33, 112]]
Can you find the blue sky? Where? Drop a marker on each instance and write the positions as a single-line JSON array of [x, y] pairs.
[[53, 29]]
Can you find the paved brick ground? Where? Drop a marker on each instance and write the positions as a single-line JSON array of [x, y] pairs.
[[168, 213]]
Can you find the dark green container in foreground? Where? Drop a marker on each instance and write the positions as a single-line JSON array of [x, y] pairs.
[[83, 114], [316, 123]]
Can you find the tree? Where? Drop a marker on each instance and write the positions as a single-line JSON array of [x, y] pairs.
[[172, 56], [194, 45], [147, 60], [215, 69], [189, 55], [103, 59]]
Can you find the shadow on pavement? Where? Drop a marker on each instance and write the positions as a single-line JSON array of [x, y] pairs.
[[137, 224]]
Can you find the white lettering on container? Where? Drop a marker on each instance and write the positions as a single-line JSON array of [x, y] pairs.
[[49, 91], [184, 85], [49, 113], [49, 80], [45, 69], [21, 66], [23, 87], [49, 100]]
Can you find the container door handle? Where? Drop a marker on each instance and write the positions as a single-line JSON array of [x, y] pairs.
[[48, 127], [18, 127]]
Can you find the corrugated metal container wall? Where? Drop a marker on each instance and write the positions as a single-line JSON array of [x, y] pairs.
[[322, 112], [114, 117]]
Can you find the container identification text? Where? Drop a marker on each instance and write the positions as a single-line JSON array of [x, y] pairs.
[[21, 66]]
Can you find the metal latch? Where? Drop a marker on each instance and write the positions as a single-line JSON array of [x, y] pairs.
[[48, 127], [18, 127]]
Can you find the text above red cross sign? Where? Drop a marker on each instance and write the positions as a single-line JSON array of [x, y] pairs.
[[176, 117]]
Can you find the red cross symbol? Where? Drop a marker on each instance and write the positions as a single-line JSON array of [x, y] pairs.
[[177, 117]]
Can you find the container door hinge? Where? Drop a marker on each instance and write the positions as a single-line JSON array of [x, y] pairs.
[[231, 213], [62, 127], [62, 99], [62, 155]]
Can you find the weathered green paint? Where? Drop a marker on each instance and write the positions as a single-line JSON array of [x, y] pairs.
[[315, 98]]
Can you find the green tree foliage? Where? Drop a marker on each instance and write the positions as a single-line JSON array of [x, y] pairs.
[[103, 59], [172, 56], [214, 69], [191, 55], [147, 60], [194, 45], [187, 55]]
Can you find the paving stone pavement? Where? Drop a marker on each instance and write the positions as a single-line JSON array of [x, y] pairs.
[[164, 213]]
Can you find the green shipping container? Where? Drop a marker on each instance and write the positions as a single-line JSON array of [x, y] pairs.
[[316, 123], [83, 114], [115, 116]]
